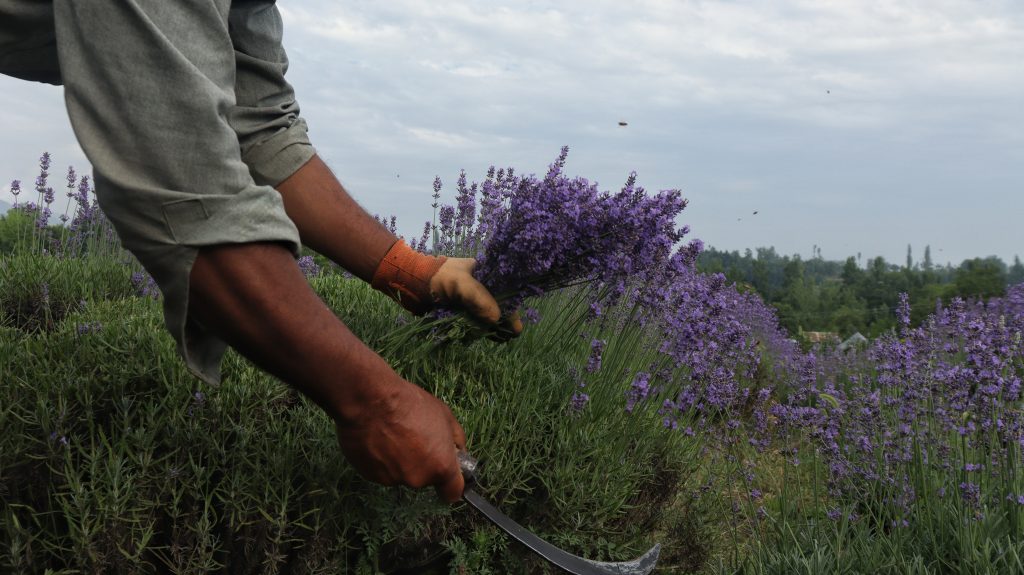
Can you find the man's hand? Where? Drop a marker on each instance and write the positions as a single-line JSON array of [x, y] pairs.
[[454, 284], [419, 282], [256, 299], [410, 439], [332, 223]]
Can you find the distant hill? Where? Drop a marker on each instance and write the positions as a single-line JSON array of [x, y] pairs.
[[4, 206]]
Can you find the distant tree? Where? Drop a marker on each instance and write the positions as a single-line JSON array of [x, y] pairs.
[[846, 297], [761, 278], [1015, 275], [852, 274], [849, 317], [981, 277], [16, 227]]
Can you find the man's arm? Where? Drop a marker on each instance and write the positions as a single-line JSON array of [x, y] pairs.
[[392, 431], [255, 297], [333, 224]]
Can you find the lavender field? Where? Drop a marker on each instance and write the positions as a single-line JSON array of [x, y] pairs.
[[645, 402]]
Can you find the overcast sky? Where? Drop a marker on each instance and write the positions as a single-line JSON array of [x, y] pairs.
[[859, 126]]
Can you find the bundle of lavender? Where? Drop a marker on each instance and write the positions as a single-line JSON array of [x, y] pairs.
[[531, 236]]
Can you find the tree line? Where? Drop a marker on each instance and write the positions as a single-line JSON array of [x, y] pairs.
[[852, 296]]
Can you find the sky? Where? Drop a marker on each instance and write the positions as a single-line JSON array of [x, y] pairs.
[[857, 126]]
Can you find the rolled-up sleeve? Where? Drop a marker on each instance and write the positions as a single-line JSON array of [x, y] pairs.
[[273, 136], [150, 89]]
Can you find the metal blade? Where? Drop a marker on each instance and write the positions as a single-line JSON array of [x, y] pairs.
[[571, 563]]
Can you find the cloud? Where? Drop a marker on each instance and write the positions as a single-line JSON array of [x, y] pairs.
[[439, 137], [832, 111], [773, 58]]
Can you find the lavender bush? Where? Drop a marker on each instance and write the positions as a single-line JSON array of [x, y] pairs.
[[919, 439], [927, 414], [53, 270], [644, 397], [85, 230], [532, 236]]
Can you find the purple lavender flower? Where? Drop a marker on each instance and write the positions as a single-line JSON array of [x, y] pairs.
[[44, 173], [531, 315], [145, 285], [903, 310], [971, 493], [466, 200], [421, 245], [59, 439], [540, 235], [942, 394], [15, 190], [596, 350], [309, 267], [437, 192], [45, 193], [638, 390], [446, 225], [579, 401], [88, 327]]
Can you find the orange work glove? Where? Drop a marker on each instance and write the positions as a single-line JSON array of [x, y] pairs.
[[418, 282], [404, 275]]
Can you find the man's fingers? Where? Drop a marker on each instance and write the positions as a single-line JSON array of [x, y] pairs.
[[469, 264], [450, 490], [456, 285], [514, 322], [475, 297], [458, 434]]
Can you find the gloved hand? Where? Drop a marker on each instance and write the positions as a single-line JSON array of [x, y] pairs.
[[418, 282], [411, 438]]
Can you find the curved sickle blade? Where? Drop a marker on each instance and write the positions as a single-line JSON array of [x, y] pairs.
[[571, 563]]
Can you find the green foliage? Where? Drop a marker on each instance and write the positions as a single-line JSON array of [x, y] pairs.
[[16, 228], [113, 458], [18, 232], [981, 278], [948, 543], [1015, 274], [39, 290], [846, 297]]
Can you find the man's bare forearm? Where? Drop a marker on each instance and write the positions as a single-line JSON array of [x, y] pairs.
[[393, 432], [331, 222], [256, 298]]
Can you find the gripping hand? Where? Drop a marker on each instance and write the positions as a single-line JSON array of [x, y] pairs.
[[418, 282]]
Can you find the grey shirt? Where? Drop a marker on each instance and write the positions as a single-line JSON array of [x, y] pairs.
[[184, 112]]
